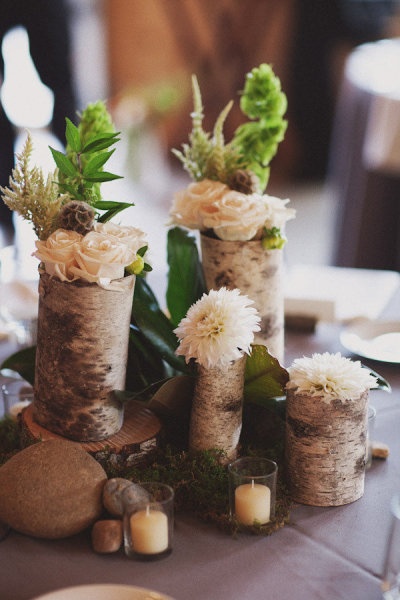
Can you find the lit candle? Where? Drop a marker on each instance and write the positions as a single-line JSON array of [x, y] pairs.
[[252, 503], [149, 531]]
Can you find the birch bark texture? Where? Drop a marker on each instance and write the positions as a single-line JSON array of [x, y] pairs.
[[326, 448], [216, 416], [257, 273], [81, 357]]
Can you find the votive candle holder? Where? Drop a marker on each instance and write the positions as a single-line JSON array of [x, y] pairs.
[[148, 521], [252, 490]]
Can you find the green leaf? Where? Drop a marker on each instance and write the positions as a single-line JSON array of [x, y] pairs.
[[172, 403], [185, 278], [265, 378], [382, 384], [144, 366], [142, 251], [95, 162], [72, 136], [102, 176], [155, 325], [118, 207], [110, 204], [101, 142], [23, 362], [65, 165]]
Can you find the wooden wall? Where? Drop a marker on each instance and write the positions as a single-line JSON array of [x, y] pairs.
[[219, 40]]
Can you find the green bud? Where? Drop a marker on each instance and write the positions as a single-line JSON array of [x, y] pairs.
[[136, 267]]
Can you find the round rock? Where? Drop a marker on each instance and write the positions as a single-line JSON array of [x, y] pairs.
[[113, 493], [52, 490]]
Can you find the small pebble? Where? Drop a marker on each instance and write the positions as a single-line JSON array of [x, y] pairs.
[[379, 450], [112, 494], [107, 536]]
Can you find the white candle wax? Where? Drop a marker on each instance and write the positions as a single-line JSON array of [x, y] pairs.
[[252, 503], [149, 531]]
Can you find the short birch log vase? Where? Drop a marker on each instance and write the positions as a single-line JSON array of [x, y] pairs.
[[216, 416], [81, 357], [326, 448], [258, 275]]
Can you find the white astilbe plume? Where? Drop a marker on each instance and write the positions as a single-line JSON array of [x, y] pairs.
[[330, 376], [218, 329]]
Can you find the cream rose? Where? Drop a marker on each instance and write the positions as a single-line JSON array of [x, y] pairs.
[[232, 215], [239, 216], [131, 236], [197, 200], [58, 253], [278, 214], [102, 258]]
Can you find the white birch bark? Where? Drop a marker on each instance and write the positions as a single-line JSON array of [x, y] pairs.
[[326, 448], [216, 417], [258, 275], [81, 357]]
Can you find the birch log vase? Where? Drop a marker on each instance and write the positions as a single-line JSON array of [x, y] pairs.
[[257, 273], [81, 357], [326, 448], [216, 416]]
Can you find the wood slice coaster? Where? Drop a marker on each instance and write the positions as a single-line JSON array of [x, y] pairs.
[[137, 438]]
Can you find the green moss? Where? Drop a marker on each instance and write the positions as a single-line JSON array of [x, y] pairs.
[[201, 485], [199, 480]]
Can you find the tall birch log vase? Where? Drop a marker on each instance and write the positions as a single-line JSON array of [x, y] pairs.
[[257, 273], [216, 416], [326, 448], [81, 357]]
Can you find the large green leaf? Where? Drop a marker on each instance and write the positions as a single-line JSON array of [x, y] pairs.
[[23, 362], [185, 278], [154, 325], [265, 378]]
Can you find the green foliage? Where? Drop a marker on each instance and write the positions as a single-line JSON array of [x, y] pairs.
[[382, 384], [81, 167], [33, 195], [254, 144], [265, 378], [152, 342], [206, 157], [185, 278], [78, 174], [23, 363], [273, 239], [263, 101]]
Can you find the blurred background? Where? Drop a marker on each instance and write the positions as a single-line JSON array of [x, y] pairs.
[[139, 55]]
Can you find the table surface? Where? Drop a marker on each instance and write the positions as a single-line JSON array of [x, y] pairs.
[[324, 553]]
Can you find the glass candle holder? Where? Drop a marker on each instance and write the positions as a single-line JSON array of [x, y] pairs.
[[148, 521], [252, 490], [16, 394]]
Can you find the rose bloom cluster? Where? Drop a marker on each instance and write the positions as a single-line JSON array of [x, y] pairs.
[[99, 257], [232, 215]]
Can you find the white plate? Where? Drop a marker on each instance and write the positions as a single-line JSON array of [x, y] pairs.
[[105, 591], [375, 340]]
